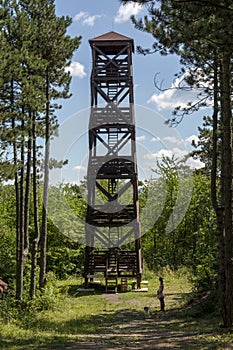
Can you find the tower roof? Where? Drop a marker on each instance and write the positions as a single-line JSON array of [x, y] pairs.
[[112, 37]]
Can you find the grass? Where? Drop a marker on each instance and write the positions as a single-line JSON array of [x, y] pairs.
[[102, 321]]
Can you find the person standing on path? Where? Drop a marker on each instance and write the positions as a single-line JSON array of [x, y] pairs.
[[160, 294]]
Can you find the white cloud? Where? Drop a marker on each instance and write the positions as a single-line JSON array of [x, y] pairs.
[[90, 20], [174, 97], [178, 155], [176, 140], [192, 138], [76, 69], [141, 138], [194, 163], [170, 139], [80, 15], [79, 168], [86, 18], [156, 139], [173, 139], [176, 152], [126, 11]]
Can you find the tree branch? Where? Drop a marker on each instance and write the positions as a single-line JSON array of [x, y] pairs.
[[205, 3]]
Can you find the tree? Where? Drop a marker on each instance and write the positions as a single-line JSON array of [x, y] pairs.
[[7, 236], [35, 52], [200, 33], [56, 48], [191, 243]]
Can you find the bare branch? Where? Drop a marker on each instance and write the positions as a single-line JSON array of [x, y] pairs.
[[179, 113]]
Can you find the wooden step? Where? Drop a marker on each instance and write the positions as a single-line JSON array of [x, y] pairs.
[[111, 284]]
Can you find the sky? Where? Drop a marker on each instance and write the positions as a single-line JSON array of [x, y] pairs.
[[154, 138]]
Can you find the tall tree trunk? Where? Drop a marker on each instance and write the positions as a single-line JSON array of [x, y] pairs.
[[27, 191], [227, 185], [215, 140], [45, 189], [36, 237], [17, 198], [215, 202], [20, 270], [17, 195], [24, 195]]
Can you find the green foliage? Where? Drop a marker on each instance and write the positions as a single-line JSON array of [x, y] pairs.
[[35, 54], [205, 278], [7, 233], [22, 312], [50, 297], [193, 243], [65, 257], [67, 209]]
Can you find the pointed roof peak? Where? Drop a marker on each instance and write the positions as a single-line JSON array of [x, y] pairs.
[[111, 36]]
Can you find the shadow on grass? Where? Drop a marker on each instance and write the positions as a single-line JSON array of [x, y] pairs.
[[73, 289], [124, 329]]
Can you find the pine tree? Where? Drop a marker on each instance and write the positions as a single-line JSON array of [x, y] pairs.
[[35, 50], [55, 48], [200, 32]]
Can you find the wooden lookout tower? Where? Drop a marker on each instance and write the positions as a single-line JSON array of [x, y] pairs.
[[113, 240]]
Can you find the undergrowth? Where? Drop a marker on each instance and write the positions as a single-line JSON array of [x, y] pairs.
[[62, 312]]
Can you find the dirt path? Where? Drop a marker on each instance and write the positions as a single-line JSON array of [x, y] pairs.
[[144, 334], [132, 329]]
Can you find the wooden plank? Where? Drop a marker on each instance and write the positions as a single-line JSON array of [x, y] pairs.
[[86, 289], [140, 290]]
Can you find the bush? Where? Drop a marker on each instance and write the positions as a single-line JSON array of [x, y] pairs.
[[23, 311], [50, 297]]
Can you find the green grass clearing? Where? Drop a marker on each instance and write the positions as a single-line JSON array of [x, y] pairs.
[[117, 321]]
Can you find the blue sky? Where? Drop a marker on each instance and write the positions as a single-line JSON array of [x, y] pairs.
[[93, 18]]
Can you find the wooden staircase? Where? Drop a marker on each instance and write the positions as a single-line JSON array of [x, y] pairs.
[[111, 273], [111, 265]]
